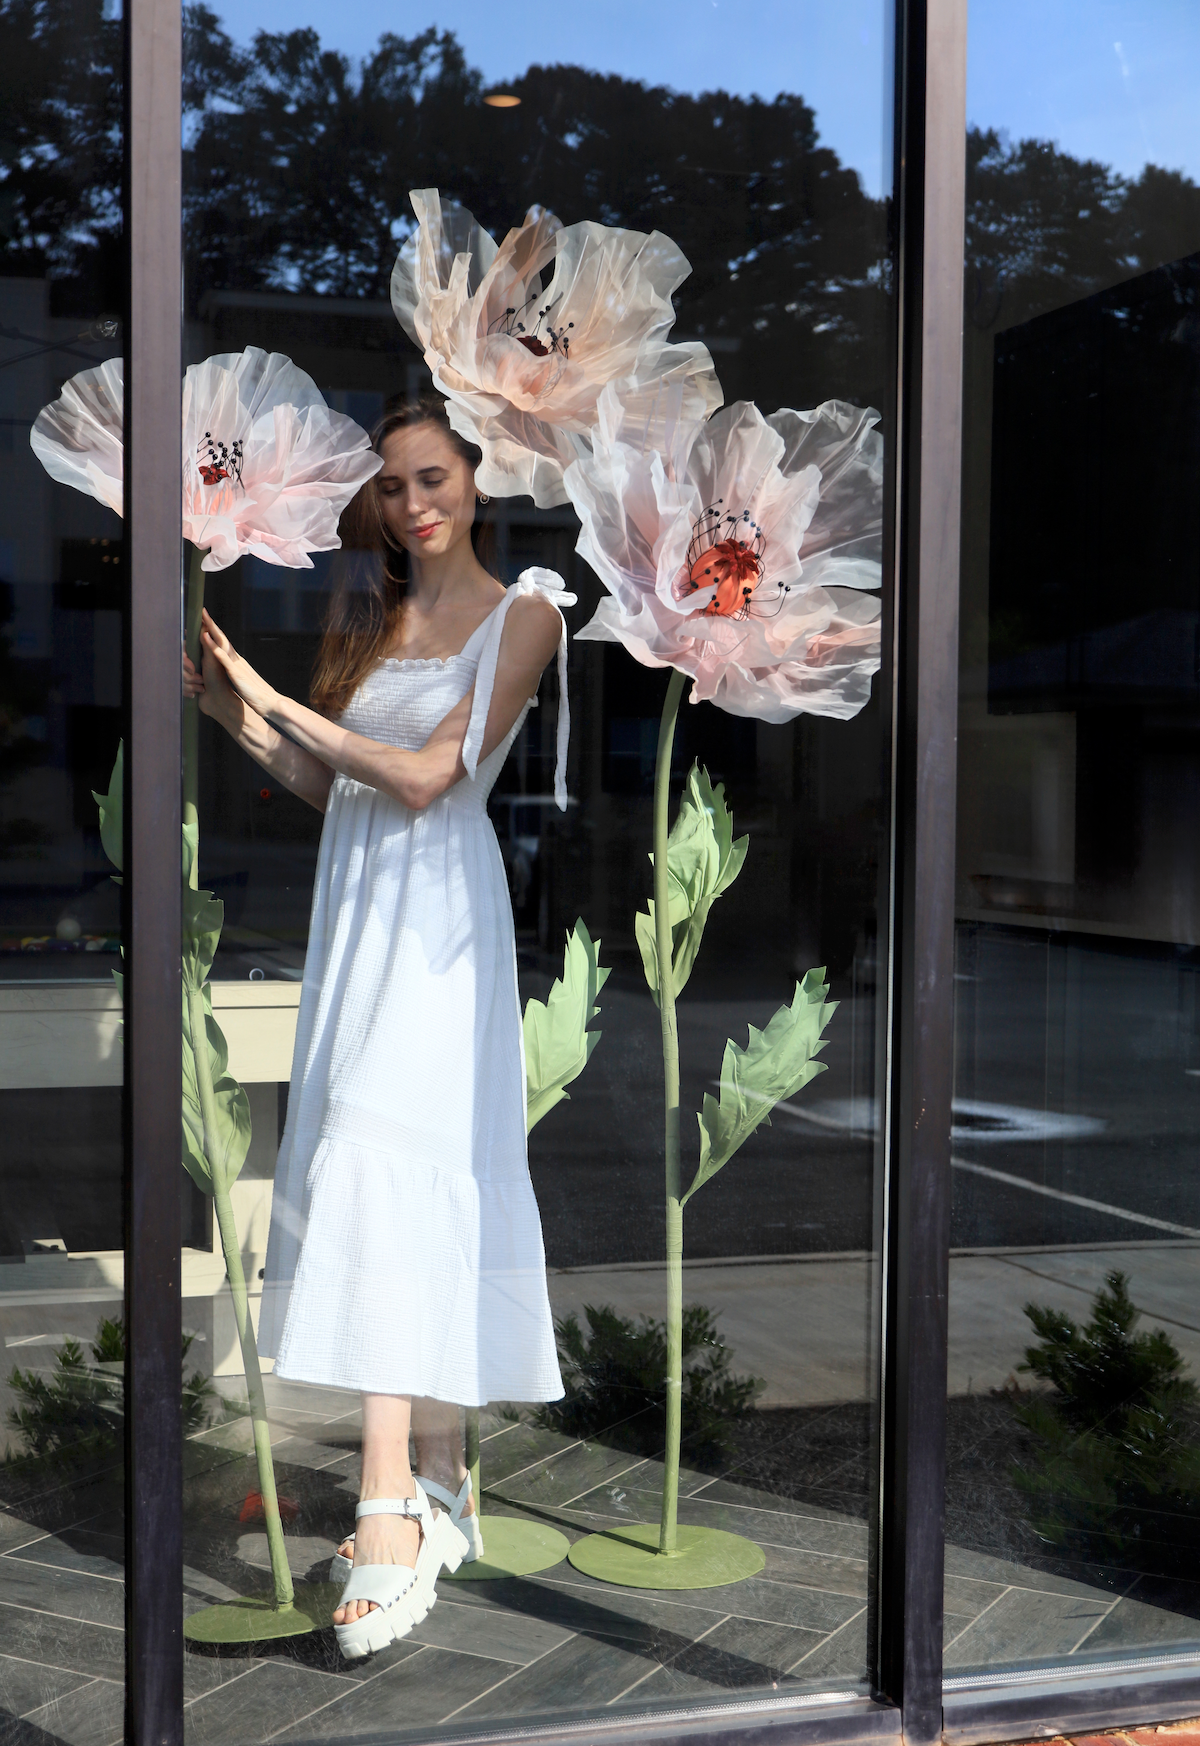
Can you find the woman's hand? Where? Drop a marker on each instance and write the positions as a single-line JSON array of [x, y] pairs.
[[225, 669]]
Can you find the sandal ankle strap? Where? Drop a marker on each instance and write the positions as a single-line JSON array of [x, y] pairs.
[[391, 1506], [454, 1503]]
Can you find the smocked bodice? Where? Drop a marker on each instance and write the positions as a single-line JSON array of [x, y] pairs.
[[401, 702]]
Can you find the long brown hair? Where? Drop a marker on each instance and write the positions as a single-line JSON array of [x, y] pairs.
[[367, 603]]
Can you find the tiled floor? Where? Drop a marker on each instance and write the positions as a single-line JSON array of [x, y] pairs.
[[496, 1652]]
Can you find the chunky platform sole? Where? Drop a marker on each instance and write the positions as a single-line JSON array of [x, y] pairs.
[[396, 1613]]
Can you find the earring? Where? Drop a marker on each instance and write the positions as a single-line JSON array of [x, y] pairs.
[[483, 497]]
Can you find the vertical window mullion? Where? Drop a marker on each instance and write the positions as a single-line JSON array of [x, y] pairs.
[[929, 193], [153, 1432]]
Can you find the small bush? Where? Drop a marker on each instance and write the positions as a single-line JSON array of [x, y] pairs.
[[1116, 1469], [76, 1415], [616, 1389]]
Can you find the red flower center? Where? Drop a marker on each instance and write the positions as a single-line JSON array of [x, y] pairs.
[[532, 344], [734, 569]]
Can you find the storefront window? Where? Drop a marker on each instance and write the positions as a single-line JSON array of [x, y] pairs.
[[62, 596], [1073, 1431], [768, 171]]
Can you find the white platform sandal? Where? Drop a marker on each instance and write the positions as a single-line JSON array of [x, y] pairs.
[[468, 1526], [402, 1596]]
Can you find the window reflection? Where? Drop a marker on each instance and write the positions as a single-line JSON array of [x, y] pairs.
[[1075, 1214], [297, 173], [62, 597]]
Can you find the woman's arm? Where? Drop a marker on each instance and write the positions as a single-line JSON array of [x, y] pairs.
[[296, 769], [530, 637]]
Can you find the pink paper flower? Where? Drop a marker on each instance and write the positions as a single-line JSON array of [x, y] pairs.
[[523, 336], [737, 548], [267, 467]]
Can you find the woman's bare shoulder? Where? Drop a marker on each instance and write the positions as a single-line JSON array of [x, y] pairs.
[[535, 627]]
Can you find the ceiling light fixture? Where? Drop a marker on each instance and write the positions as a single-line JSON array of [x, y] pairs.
[[501, 100]]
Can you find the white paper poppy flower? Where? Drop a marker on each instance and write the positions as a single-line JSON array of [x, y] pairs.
[[523, 336], [736, 549], [267, 467]]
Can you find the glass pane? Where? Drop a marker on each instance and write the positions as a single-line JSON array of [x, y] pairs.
[[1074, 1479], [62, 595], [301, 153]]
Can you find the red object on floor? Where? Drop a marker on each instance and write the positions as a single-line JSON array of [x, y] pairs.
[[252, 1509]]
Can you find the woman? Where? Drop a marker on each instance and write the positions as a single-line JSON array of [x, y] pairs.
[[405, 1257]]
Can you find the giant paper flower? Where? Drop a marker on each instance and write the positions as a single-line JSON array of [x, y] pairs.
[[267, 467], [523, 336], [736, 548]]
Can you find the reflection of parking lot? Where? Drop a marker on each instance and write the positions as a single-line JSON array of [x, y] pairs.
[[1076, 1116]]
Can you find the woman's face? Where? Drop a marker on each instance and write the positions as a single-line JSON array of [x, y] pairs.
[[426, 490]]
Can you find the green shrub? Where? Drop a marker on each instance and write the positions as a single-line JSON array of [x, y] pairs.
[[75, 1416], [1115, 1473], [616, 1390]]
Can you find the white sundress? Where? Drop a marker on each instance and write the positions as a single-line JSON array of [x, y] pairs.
[[405, 1253]]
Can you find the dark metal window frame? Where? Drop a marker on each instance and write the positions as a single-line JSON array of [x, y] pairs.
[[920, 692]]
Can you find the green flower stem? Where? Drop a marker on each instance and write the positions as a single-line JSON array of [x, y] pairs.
[[670, 1045], [227, 1225], [193, 608], [471, 1453]]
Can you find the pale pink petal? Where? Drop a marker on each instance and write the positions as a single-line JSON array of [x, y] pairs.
[[78, 437], [806, 641], [523, 337], [292, 464]]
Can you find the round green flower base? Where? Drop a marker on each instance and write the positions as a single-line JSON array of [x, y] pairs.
[[704, 1558], [258, 1620], [513, 1547]]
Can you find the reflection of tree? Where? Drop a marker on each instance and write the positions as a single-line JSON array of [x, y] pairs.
[[60, 149], [298, 167], [1045, 229]]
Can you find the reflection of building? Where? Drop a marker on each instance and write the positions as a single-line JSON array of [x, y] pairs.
[[1083, 811]]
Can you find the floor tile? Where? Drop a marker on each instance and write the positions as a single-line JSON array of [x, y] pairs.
[[563, 1477], [305, 1552], [99, 1600], [584, 1672], [404, 1701], [966, 1596], [263, 1701], [1138, 1622], [839, 1661], [92, 1715], [57, 1642], [494, 1632], [734, 1656], [1024, 1625], [27, 1685], [523, 1447], [1091, 1579], [76, 1549]]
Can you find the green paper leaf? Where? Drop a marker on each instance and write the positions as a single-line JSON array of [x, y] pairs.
[[203, 915], [111, 812], [558, 1044], [774, 1065], [232, 1138], [703, 860]]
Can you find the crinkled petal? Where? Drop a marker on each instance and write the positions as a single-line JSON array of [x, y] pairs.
[[79, 438], [301, 462], [524, 336], [807, 642]]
